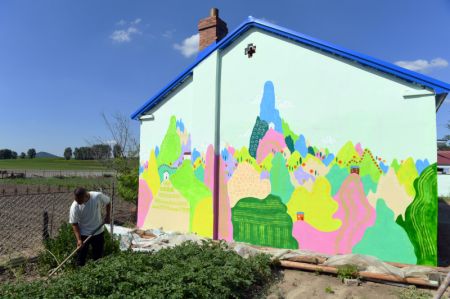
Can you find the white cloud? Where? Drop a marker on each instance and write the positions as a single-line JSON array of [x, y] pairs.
[[168, 33], [423, 65], [189, 46], [136, 21], [126, 34]]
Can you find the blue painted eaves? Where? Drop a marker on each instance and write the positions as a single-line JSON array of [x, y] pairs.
[[439, 87]]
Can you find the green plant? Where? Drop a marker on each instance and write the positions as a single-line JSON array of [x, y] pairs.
[[128, 184], [58, 248], [190, 270], [329, 290], [17, 268], [348, 272], [61, 181], [413, 293]]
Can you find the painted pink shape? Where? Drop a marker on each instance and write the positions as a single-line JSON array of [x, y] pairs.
[[145, 199], [231, 150], [225, 225], [272, 142], [309, 238], [356, 215], [358, 148], [209, 168]]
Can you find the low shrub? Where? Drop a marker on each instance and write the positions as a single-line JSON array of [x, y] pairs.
[[189, 270], [58, 248], [348, 272]]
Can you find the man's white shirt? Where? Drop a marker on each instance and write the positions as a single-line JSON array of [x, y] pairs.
[[89, 215]]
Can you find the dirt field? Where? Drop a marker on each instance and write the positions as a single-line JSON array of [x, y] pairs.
[[298, 284]]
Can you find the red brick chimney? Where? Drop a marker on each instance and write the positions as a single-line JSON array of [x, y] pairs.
[[211, 29]]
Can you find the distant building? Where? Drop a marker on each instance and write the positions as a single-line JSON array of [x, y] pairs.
[[443, 162]]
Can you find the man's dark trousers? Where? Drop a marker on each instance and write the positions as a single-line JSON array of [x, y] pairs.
[[97, 242]]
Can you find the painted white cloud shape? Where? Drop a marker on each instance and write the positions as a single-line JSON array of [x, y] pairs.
[[189, 46], [423, 65], [125, 35]]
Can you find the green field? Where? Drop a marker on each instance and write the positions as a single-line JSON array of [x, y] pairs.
[[72, 182], [52, 164]]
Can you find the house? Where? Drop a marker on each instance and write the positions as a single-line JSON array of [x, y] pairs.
[[443, 162], [278, 122]]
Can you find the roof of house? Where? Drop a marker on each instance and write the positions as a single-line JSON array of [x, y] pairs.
[[440, 88], [443, 158]]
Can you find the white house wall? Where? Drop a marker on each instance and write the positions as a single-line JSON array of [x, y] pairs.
[[179, 137], [324, 155], [316, 153]]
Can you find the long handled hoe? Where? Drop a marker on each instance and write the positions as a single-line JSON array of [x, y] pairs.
[[75, 251]]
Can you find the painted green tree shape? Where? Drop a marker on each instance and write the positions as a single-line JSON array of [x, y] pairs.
[[421, 217], [263, 222], [259, 130], [170, 149], [194, 191], [280, 179], [386, 239]]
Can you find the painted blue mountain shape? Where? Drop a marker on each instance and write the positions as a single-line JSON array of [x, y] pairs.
[[268, 112]]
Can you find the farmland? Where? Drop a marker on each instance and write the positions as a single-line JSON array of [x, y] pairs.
[[70, 182], [51, 164]]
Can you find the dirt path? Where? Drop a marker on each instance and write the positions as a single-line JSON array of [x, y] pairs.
[[298, 284]]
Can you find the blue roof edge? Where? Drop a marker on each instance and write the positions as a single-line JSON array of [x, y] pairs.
[[437, 86]]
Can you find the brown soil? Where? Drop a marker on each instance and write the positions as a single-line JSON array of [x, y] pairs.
[[299, 284]]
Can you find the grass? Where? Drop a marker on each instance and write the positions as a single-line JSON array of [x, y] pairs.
[[413, 293], [348, 271], [52, 164], [71, 182]]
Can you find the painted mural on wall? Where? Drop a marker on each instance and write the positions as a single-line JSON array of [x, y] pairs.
[[282, 191]]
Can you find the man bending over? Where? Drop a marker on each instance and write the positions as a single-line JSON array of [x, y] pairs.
[[86, 218]]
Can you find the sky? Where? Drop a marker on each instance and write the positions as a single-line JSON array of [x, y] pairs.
[[64, 63]]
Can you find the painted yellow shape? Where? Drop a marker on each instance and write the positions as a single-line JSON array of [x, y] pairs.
[[315, 164], [266, 163], [294, 161], [202, 222], [150, 175], [169, 210], [394, 194], [406, 174], [243, 155], [347, 153], [245, 182], [318, 206], [184, 136]]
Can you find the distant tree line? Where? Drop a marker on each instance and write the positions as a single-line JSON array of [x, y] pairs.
[[94, 152], [10, 154]]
